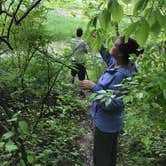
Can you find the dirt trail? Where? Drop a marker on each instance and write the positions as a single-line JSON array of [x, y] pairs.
[[85, 141]]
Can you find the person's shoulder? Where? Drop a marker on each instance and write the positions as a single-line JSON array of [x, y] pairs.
[[82, 43], [74, 40], [129, 70], [121, 73]]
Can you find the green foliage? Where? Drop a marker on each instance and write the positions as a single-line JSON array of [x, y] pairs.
[[39, 113], [63, 27], [8, 135], [142, 143], [105, 19], [145, 19], [10, 146], [142, 32], [23, 126], [40, 110], [116, 11]]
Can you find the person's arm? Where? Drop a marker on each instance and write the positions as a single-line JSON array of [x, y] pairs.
[[97, 88], [108, 59], [115, 104]]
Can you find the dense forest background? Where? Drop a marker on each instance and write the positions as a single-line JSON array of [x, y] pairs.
[[43, 122]]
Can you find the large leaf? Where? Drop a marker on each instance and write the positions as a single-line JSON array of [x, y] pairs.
[[10, 146], [116, 11], [97, 43], [126, 1], [130, 30], [142, 32], [31, 159], [139, 5], [105, 19], [161, 19], [1, 145], [8, 135], [151, 20], [155, 18], [156, 28]]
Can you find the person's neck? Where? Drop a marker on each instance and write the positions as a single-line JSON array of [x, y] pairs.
[[118, 63]]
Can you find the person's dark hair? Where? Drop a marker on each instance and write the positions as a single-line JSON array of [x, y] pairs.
[[130, 47], [79, 32]]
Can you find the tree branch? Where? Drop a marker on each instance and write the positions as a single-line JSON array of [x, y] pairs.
[[28, 11], [5, 40], [14, 20]]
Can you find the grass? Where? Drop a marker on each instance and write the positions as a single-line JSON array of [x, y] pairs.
[[63, 27], [77, 4]]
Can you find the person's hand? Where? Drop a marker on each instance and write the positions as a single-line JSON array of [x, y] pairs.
[[86, 84]]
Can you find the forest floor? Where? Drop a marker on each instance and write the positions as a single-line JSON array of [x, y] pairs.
[[85, 141]]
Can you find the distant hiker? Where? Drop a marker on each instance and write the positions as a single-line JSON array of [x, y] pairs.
[[109, 121], [79, 48]]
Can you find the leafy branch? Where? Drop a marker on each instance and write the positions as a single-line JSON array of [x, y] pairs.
[[14, 19]]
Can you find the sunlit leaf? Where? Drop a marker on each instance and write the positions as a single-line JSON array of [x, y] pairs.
[[10, 146], [139, 5], [142, 32], [8, 135], [23, 127], [104, 19], [116, 11]]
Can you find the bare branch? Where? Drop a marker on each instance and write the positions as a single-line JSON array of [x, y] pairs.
[[117, 29], [5, 12], [5, 40], [14, 20], [28, 11], [12, 2]]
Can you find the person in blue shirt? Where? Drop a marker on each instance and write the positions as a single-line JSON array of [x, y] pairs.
[[109, 121]]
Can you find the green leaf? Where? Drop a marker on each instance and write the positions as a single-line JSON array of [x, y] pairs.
[[94, 21], [1, 145], [104, 19], [142, 32], [23, 127], [147, 142], [164, 93], [108, 102], [151, 21], [22, 163], [10, 146], [116, 11], [109, 41], [31, 159], [99, 97], [96, 45], [161, 19], [130, 30], [156, 28], [126, 1], [139, 5], [8, 135], [12, 120], [155, 105]]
